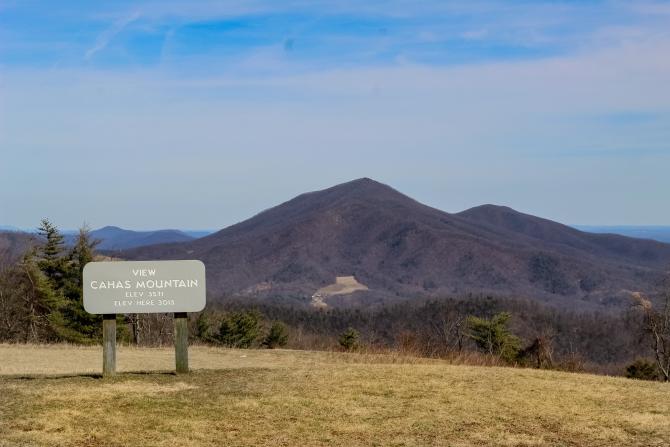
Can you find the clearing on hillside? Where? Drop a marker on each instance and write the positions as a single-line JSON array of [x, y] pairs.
[[289, 398], [344, 285]]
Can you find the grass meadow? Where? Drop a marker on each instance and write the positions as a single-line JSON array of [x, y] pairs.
[[54, 396]]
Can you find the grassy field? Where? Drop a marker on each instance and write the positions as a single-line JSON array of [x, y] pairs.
[[50, 395]]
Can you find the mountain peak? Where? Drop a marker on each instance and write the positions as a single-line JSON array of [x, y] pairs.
[[488, 209], [511, 219], [365, 181], [361, 183], [363, 188], [400, 247], [111, 228]]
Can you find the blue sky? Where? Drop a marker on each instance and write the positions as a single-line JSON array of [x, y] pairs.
[[152, 114]]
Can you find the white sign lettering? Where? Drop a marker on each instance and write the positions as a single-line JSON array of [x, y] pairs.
[[144, 287]]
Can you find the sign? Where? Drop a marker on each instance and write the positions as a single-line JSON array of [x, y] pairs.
[[128, 287]]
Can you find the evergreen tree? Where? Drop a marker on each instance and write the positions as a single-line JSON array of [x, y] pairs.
[[203, 327], [51, 260], [493, 336], [240, 329], [88, 326], [83, 251], [42, 305], [63, 271], [349, 339], [277, 336]]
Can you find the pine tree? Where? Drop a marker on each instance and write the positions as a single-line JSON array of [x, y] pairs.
[[42, 305], [349, 339], [203, 327], [88, 326], [50, 255], [240, 329], [63, 270], [83, 251], [277, 336], [493, 336]]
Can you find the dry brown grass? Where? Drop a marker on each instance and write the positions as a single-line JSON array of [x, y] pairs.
[[287, 398]]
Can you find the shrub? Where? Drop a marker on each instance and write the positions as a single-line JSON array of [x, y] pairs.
[[240, 329], [277, 336], [539, 354], [349, 339], [493, 337], [572, 362], [203, 327], [642, 369]]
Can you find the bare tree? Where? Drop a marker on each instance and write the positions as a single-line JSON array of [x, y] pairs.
[[657, 325], [135, 323], [11, 311], [539, 353], [450, 332]]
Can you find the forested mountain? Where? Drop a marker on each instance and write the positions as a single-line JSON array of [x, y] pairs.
[[400, 248], [659, 233]]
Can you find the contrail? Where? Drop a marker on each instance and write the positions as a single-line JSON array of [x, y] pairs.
[[106, 36]]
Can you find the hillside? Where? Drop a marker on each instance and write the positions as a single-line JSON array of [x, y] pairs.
[[13, 245], [399, 248], [286, 398], [611, 247], [656, 232]]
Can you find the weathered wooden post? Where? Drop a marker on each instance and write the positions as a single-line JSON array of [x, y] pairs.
[[181, 341], [108, 345]]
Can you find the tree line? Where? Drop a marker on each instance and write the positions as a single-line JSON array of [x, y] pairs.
[[504, 330], [41, 301]]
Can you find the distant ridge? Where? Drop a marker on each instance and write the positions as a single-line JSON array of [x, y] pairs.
[[9, 228], [13, 245], [608, 246], [400, 248], [115, 238]]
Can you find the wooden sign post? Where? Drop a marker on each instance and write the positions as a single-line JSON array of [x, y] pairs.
[[130, 287], [108, 345], [181, 341]]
